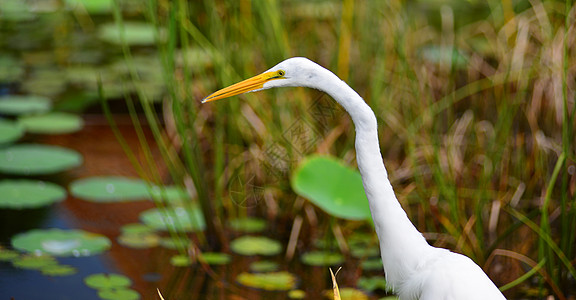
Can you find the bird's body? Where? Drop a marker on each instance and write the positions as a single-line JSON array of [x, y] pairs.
[[413, 268]]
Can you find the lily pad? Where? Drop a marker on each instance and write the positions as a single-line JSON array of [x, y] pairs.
[[215, 258], [35, 262], [372, 264], [180, 260], [169, 194], [110, 189], [91, 6], [274, 281], [10, 131], [8, 255], [373, 283], [332, 186], [58, 270], [17, 105], [20, 194], [139, 241], [178, 242], [11, 69], [136, 228], [60, 242], [256, 245], [131, 33], [36, 159], [249, 225], [119, 294], [348, 294], [174, 218], [297, 294], [103, 281], [321, 258], [52, 123], [264, 266]]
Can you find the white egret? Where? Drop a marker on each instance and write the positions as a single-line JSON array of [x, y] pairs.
[[413, 268]]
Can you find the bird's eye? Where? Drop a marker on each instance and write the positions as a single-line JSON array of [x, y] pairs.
[[281, 73]]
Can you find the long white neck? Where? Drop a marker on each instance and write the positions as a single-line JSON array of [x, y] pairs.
[[402, 246]]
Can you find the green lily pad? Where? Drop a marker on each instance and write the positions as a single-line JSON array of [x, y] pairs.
[[264, 266], [101, 281], [91, 6], [139, 241], [17, 105], [372, 264], [136, 228], [52, 123], [321, 258], [347, 294], [180, 260], [110, 189], [169, 194], [20, 194], [10, 131], [274, 281], [249, 225], [58, 270], [131, 33], [60, 242], [361, 252], [373, 283], [178, 242], [36, 159], [214, 258], [11, 69], [8, 255], [119, 294], [34, 262], [256, 245], [174, 218], [297, 294], [333, 187]]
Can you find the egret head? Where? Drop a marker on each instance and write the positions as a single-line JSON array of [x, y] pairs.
[[296, 71]]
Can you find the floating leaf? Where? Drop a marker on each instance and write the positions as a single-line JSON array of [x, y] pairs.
[[131, 33], [214, 258], [320, 258], [36, 159], [91, 6], [10, 131], [264, 266], [332, 186], [110, 189], [274, 281], [17, 105], [169, 194], [373, 264], [139, 241], [19, 194], [255, 245], [297, 294], [249, 225], [136, 228], [174, 218], [119, 294], [348, 294], [102, 281], [34, 261], [60, 242], [178, 242], [361, 252], [52, 123], [8, 255], [58, 270], [180, 260], [373, 283], [11, 69]]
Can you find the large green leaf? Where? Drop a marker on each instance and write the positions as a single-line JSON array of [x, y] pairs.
[[332, 186], [60, 242], [37, 159], [21, 193]]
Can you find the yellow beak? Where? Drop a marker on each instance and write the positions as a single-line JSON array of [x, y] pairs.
[[250, 84]]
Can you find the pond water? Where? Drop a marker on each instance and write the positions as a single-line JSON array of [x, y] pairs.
[[148, 268]]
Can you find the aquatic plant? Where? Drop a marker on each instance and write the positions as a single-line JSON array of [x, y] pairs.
[[61, 242]]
